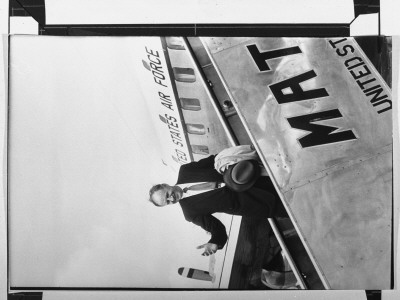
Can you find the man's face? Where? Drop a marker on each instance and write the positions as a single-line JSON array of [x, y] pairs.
[[167, 195]]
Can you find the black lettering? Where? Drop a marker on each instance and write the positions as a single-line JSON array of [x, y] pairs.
[[376, 94], [181, 155], [173, 130], [261, 57], [158, 61], [385, 109], [372, 88], [320, 134], [182, 159], [360, 73], [298, 94], [163, 97], [167, 105], [356, 65], [179, 152], [152, 53], [175, 135], [172, 124], [347, 62], [177, 143], [345, 52], [333, 44], [376, 91], [362, 84], [159, 74], [156, 68], [159, 81], [170, 118]]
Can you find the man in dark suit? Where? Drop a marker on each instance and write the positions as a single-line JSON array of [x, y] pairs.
[[260, 201]]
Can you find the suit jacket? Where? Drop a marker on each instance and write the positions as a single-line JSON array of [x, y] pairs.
[[260, 201]]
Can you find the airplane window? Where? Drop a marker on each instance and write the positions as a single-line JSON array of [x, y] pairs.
[[200, 149], [190, 104], [195, 128], [184, 74], [175, 43]]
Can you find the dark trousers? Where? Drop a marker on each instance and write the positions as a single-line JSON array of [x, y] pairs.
[[265, 183]]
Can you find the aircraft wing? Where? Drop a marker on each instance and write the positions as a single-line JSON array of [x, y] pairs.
[[320, 116]]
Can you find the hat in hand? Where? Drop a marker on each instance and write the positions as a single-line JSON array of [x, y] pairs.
[[241, 176]]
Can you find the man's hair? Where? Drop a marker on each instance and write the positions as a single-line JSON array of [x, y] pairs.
[[154, 189]]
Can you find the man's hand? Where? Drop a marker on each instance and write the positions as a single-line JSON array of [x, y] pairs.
[[209, 248]]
